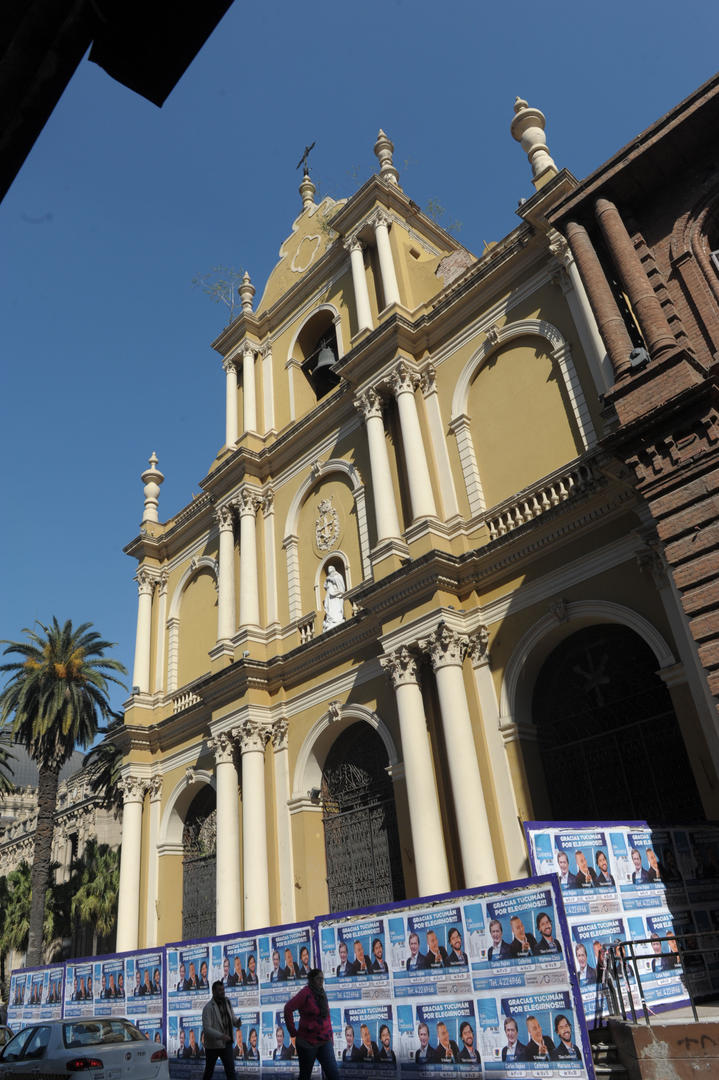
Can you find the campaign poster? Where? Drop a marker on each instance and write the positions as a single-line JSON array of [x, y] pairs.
[[79, 989], [34, 994], [16, 999], [581, 857], [276, 1047], [436, 1035], [640, 884], [187, 976], [543, 1037], [598, 990], [152, 1027], [234, 962], [426, 951], [143, 981], [52, 1000], [353, 959], [364, 1039], [666, 867], [514, 940], [109, 987], [247, 1046], [285, 961], [662, 975], [184, 1039]]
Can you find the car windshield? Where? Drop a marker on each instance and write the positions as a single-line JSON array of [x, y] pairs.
[[15, 1047], [99, 1032]]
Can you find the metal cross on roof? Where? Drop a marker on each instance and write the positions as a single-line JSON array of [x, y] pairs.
[[303, 159]]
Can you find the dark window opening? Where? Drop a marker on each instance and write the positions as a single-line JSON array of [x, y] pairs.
[[317, 345]]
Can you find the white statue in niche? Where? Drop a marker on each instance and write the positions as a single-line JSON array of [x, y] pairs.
[[334, 599]]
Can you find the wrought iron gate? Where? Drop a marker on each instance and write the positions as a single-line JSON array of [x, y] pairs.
[[364, 865], [199, 888]]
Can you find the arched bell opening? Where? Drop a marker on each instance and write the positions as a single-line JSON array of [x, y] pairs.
[[364, 862], [317, 346], [608, 735]]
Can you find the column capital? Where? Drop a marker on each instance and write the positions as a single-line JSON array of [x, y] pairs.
[[267, 504], [252, 735], [247, 501], [428, 380], [223, 747], [478, 646], [154, 788], [559, 248], [401, 666], [369, 403], [162, 581], [248, 349], [224, 517], [379, 216], [445, 646], [403, 379], [228, 365], [133, 788], [352, 243], [265, 350], [280, 729], [146, 580]]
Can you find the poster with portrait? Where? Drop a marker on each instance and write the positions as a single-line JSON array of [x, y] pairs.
[[144, 984], [426, 951], [109, 986], [352, 955], [639, 878], [514, 940], [233, 960], [659, 967], [79, 989], [276, 1046], [152, 1027], [184, 1041], [247, 1046], [286, 957], [35, 994], [364, 1039], [438, 1036], [581, 858], [52, 999], [542, 1036], [187, 976]]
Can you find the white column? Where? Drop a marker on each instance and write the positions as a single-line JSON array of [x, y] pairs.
[[151, 893], [284, 829], [226, 618], [386, 262], [447, 490], [447, 649], [230, 402], [425, 819], [268, 388], [268, 514], [504, 788], [128, 897], [173, 653], [253, 739], [247, 503], [402, 382], [159, 681], [573, 288], [249, 396], [369, 404], [359, 284], [228, 911], [141, 670]]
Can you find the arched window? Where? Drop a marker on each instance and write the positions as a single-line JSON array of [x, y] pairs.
[[607, 732], [317, 346], [199, 842], [364, 863]]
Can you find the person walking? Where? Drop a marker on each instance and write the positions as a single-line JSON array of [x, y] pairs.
[[218, 1023], [313, 1038]]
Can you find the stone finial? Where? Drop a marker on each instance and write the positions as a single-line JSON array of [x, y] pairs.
[[246, 291], [151, 478], [384, 148], [527, 128], [307, 190]]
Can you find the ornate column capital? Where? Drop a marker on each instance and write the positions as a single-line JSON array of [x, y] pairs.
[[445, 646], [268, 502], [228, 365], [224, 517], [280, 729], [379, 216], [403, 379], [146, 580], [265, 350], [248, 350], [162, 581], [369, 403], [428, 380], [352, 243], [478, 646], [247, 501], [401, 666], [133, 788], [559, 248], [252, 735], [223, 747]]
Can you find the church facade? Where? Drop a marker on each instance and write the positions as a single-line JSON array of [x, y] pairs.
[[417, 601]]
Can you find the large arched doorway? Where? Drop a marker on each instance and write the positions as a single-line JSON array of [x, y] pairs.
[[199, 842], [364, 863], [607, 732]]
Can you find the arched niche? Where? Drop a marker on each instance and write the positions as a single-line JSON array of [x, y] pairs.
[[192, 623]]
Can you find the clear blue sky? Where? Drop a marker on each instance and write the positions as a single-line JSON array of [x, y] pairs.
[[106, 345]]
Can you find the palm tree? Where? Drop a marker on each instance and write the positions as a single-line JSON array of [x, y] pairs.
[[97, 881], [102, 767], [16, 910], [55, 696], [6, 759]]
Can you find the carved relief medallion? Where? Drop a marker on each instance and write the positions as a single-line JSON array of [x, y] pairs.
[[327, 526]]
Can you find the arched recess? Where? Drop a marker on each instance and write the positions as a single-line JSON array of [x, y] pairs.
[[173, 816], [559, 351], [320, 737], [197, 566], [323, 321], [188, 830], [335, 557], [320, 471]]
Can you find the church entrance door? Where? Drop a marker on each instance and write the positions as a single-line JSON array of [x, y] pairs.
[[199, 867]]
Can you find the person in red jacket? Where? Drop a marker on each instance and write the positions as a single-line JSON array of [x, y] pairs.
[[313, 1037]]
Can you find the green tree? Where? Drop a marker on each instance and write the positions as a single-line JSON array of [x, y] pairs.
[[102, 765], [97, 879], [6, 759], [16, 910], [55, 696]]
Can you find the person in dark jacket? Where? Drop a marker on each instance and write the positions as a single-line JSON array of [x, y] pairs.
[[313, 1038]]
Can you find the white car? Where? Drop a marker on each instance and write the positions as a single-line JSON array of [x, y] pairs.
[[99, 1048]]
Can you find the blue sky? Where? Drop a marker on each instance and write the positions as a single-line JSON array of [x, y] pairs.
[[105, 343]]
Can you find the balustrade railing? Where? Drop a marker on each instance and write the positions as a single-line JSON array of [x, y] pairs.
[[535, 501]]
